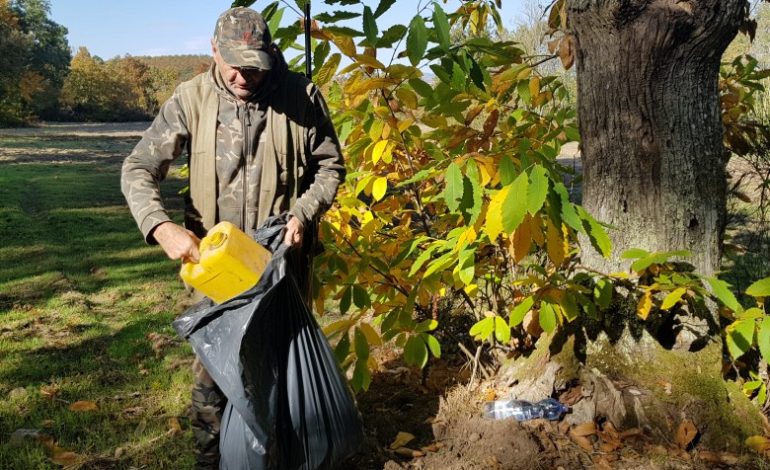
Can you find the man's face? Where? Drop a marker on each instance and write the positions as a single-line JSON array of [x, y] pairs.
[[242, 82]]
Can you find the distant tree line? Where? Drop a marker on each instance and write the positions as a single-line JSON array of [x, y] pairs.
[[41, 80]]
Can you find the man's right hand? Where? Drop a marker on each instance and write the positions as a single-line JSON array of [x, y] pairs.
[[177, 242]]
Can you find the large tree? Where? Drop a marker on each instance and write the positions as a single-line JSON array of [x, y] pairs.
[[650, 121], [654, 170]]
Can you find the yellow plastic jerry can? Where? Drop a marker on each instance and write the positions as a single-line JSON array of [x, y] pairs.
[[231, 262]]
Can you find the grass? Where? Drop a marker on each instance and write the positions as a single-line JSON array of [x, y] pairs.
[[85, 313]]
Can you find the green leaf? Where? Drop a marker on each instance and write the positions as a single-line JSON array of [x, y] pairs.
[[635, 253], [453, 192], [370, 27], [360, 297], [596, 233], [570, 307], [382, 7], [441, 25], [362, 377], [760, 288], [343, 31], [342, 349], [320, 54], [502, 330], [603, 293], [673, 298], [361, 344], [515, 204], [416, 40], [507, 170], [763, 338], [520, 311], [242, 3], [472, 200], [392, 35], [336, 16], [538, 189], [416, 352], [433, 345], [568, 213], [346, 299], [740, 336], [426, 325], [483, 328], [721, 291], [459, 77], [421, 259], [547, 317], [422, 88], [467, 266], [275, 20]]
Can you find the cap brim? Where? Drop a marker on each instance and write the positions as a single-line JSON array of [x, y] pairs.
[[246, 58]]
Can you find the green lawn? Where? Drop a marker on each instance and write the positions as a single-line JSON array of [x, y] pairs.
[[85, 313]]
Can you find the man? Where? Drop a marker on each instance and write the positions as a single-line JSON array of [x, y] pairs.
[[260, 143]]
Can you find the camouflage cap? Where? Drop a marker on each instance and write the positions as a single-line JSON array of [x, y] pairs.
[[243, 39]]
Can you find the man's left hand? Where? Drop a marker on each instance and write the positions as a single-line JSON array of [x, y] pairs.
[[294, 230]]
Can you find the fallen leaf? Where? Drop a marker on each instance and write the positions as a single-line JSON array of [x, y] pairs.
[[120, 452], [710, 457], [609, 446], [435, 447], [584, 429], [583, 442], [759, 444], [728, 458], [602, 463], [174, 427], [402, 439], [407, 452], [84, 406], [685, 433], [572, 396], [629, 433], [66, 458], [49, 391]]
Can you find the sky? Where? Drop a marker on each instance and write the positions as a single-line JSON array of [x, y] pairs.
[[110, 28]]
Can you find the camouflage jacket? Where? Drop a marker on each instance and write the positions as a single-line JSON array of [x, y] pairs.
[[245, 194]]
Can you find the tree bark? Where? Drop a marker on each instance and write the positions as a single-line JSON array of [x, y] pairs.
[[648, 106]]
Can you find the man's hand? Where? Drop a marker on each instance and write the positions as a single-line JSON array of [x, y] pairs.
[[177, 242], [294, 230]]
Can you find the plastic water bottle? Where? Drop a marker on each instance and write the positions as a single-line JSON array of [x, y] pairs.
[[521, 410]]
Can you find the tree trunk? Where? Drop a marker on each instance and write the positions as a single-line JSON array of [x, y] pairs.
[[648, 103], [654, 169]]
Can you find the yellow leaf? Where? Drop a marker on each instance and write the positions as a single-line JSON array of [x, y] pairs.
[[407, 97], [174, 426], [673, 298], [534, 87], [645, 305], [494, 222], [369, 84], [345, 44], [378, 150], [402, 439], [369, 61], [84, 406], [336, 327], [465, 238], [554, 244], [372, 337], [471, 289], [379, 188], [521, 241], [759, 444], [405, 124], [535, 229]]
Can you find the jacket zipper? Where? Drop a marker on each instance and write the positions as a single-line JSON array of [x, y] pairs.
[[246, 158]]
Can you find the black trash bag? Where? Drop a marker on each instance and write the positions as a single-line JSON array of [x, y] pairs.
[[289, 405]]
